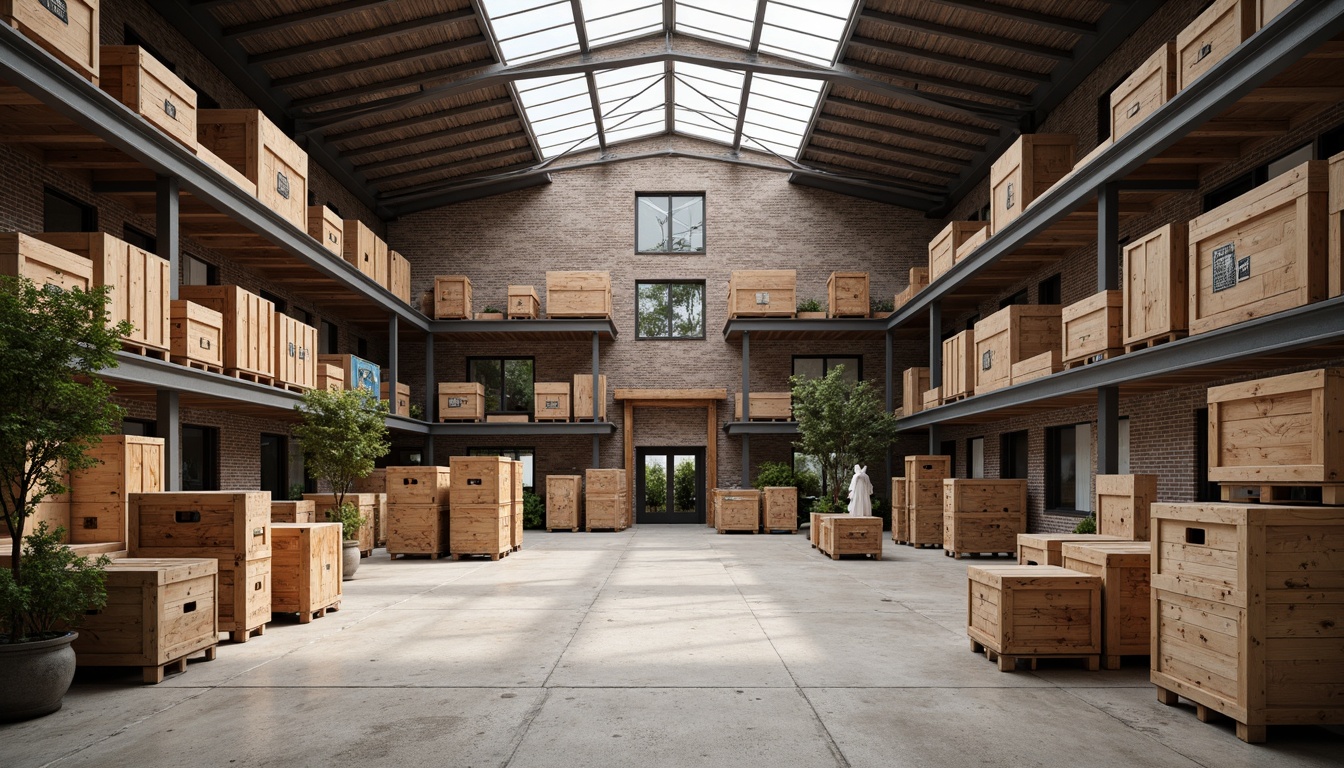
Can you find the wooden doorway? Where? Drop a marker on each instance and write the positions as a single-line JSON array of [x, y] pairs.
[[708, 399]]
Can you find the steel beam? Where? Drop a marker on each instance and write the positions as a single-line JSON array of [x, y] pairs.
[[1108, 238], [393, 361], [431, 381], [737, 428], [935, 345], [168, 426], [167, 230], [597, 360], [1108, 431], [528, 429], [1010, 13]]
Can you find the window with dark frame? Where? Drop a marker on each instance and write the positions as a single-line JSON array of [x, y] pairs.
[[818, 366], [948, 448], [507, 382], [1017, 298], [275, 465], [1013, 455], [329, 338], [525, 455], [140, 239], [1068, 468], [670, 309], [670, 222], [975, 457], [63, 213], [139, 427], [200, 458], [1050, 291], [197, 272], [1104, 111], [362, 347]]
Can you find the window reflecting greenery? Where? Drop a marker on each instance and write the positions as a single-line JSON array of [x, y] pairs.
[[507, 382], [817, 367], [670, 310], [670, 224]]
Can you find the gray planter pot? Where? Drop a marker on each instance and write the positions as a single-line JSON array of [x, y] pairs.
[[35, 676], [349, 559]]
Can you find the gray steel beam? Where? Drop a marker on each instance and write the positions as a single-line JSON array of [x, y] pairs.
[[401, 205], [369, 65], [735, 428], [167, 230], [603, 327], [168, 426], [742, 109], [597, 360], [1108, 238], [935, 439], [915, 117], [431, 383], [745, 482], [922, 138], [597, 451], [393, 361], [935, 345], [888, 362], [529, 429], [1108, 431], [962, 62], [872, 192]]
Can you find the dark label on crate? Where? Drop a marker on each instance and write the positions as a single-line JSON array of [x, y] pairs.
[[1224, 267], [987, 360], [170, 108], [1008, 197], [1134, 110], [331, 236], [1243, 269], [292, 351], [205, 343], [762, 297], [187, 516], [282, 184], [1204, 51], [474, 481], [456, 402], [58, 9], [552, 405], [303, 353]]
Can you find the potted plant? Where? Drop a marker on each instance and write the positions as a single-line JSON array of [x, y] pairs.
[[53, 408], [840, 423], [778, 474], [491, 313], [811, 309], [342, 433], [881, 307]]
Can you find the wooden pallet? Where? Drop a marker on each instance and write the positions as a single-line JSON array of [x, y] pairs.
[[493, 556], [154, 675], [1251, 734], [416, 555], [571, 530], [285, 385], [140, 349], [583, 317], [1332, 494], [733, 531], [959, 555], [306, 617], [760, 419], [539, 419], [603, 530], [256, 378], [779, 530], [1155, 341], [1009, 663], [924, 546], [954, 398], [461, 421], [189, 363], [243, 635], [1092, 359]]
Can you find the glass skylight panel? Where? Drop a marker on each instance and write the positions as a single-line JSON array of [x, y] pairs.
[[727, 21], [808, 30], [632, 101], [532, 29], [559, 111], [778, 111], [610, 21], [707, 101]]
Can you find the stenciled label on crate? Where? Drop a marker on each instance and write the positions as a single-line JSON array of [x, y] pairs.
[[1225, 267], [58, 9], [987, 360], [170, 108], [552, 404], [282, 185], [456, 402]]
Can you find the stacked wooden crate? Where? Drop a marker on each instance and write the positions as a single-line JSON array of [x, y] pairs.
[[564, 502], [1033, 612], [843, 535], [418, 517], [919, 280], [305, 569], [1123, 569], [452, 297], [1214, 33], [233, 527], [100, 495], [1155, 299], [368, 505], [302, 511], [144, 84], [356, 372], [1048, 548], [944, 247], [551, 401], [399, 276], [914, 383], [924, 476], [249, 329], [461, 401], [606, 500], [578, 294], [763, 293], [1092, 329], [1040, 366], [585, 396], [959, 369], [69, 31], [739, 510], [1007, 337], [252, 145], [765, 406], [900, 521], [523, 303], [400, 405], [847, 294], [43, 263], [1122, 504], [196, 336], [1024, 172], [295, 354], [1147, 88], [330, 378], [327, 228], [516, 505], [481, 506], [780, 511], [983, 515], [1336, 226]]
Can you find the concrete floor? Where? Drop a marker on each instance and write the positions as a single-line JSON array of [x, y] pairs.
[[659, 646]]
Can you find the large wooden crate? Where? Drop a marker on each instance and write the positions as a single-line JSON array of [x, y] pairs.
[[523, 303], [739, 510], [516, 510], [43, 263], [1261, 253], [1126, 598], [200, 524], [564, 502], [959, 367], [763, 293], [1248, 601], [359, 247], [301, 511], [1122, 504], [246, 140], [583, 396], [918, 281], [244, 596], [1092, 328], [1038, 367], [67, 30], [418, 529], [416, 485], [330, 377], [578, 294], [1024, 172], [461, 401], [924, 477], [606, 499], [1047, 548], [766, 406], [1211, 37], [914, 383], [399, 405], [847, 535], [983, 515], [135, 78], [779, 509], [847, 294], [1149, 87], [933, 397], [1033, 612], [327, 228], [551, 401], [1010, 336], [452, 297], [53, 510], [196, 335], [99, 495], [249, 327], [356, 372], [1284, 429], [159, 611], [1156, 299], [369, 506], [399, 276], [900, 518], [480, 529], [481, 481], [295, 354], [306, 569], [1336, 226], [944, 245]]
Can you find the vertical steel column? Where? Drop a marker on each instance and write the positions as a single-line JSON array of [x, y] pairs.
[[1108, 431], [169, 426], [745, 482], [1108, 279], [597, 361], [168, 247], [393, 361], [935, 345], [891, 389], [431, 399]]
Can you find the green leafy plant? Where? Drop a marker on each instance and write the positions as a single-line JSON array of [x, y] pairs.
[[53, 407], [840, 423], [534, 511], [54, 589], [810, 305], [655, 487], [491, 309], [341, 433], [684, 485], [778, 474], [347, 514], [828, 506], [882, 306], [295, 492], [417, 411], [1086, 525]]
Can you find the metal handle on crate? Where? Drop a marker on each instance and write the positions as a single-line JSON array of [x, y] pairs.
[[1134, 110], [205, 343], [1195, 536], [1008, 196], [189, 607], [187, 516]]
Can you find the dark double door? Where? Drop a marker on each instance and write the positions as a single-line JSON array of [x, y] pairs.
[[670, 485]]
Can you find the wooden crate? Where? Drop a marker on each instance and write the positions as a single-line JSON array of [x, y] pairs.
[[944, 247], [302, 511], [356, 372], [1213, 34], [523, 303], [159, 611], [929, 467], [1122, 505], [295, 354], [1267, 10], [766, 406], [846, 535], [933, 397], [374, 482], [610, 481], [401, 406], [983, 515], [399, 276], [452, 297], [1246, 612], [516, 512], [461, 401], [368, 504], [359, 247], [196, 336], [919, 280], [564, 502], [739, 510], [306, 569], [779, 510], [814, 528], [923, 491], [1261, 253], [1033, 612], [900, 517], [53, 510], [972, 242], [1336, 226], [244, 596], [583, 396], [1024, 172], [230, 173], [578, 294], [1092, 328], [99, 495], [1122, 567], [1008, 337], [327, 228], [959, 367], [414, 485], [604, 512], [480, 529], [67, 30], [480, 480], [507, 418], [200, 524], [551, 400], [1047, 548], [1156, 299], [914, 383], [1149, 87], [330, 377], [418, 529], [135, 78], [43, 263], [1284, 429], [847, 294], [1038, 367], [249, 328], [246, 140], [140, 284], [763, 293]]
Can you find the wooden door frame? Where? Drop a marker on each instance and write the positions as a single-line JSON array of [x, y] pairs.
[[708, 399]]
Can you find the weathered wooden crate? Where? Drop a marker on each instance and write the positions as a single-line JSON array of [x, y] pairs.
[[356, 372], [766, 406], [972, 242], [813, 527], [1008, 337], [1246, 612], [506, 418], [779, 511], [1284, 429], [159, 611], [244, 596], [1261, 253], [1046, 548], [919, 280], [327, 228], [929, 467], [461, 401], [1092, 329], [924, 475], [246, 140], [196, 336], [1156, 299], [139, 281], [606, 499], [1122, 505], [583, 396], [135, 78], [959, 367], [295, 354], [418, 529], [564, 502], [944, 246], [1336, 225], [301, 511], [99, 495], [1149, 87], [516, 511], [983, 515], [1038, 367], [330, 377], [763, 293], [933, 397], [847, 294], [53, 510], [382, 263], [739, 510], [605, 480], [1024, 172], [374, 482], [369, 506], [359, 247], [900, 517], [380, 522], [551, 400], [843, 535], [1126, 598], [306, 569], [1213, 34], [1033, 612], [480, 529], [452, 297], [224, 169], [200, 524], [401, 404], [914, 383], [417, 485], [249, 328], [43, 263], [480, 480], [523, 303], [399, 276], [67, 30], [578, 294]]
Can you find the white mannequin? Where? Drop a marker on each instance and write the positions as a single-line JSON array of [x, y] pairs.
[[860, 493]]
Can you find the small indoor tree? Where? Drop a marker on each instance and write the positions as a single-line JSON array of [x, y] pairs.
[[841, 423], [342, 434], [684, 485], [655, 487]]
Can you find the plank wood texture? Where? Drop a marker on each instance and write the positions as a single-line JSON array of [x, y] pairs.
[[564, 502], [305, 568], [1284, 429], [766, 406], [257, 148], [959, 366], [461, 401], [1211, 37], [578, 294], [43, 263], [1122, 504], [779, 510], [73, 39], [1156, 299], [983, 515], [1033, 611], [452, 297], [1024, 172], [327, 228], [1007, 337], [1126, 598], [763, 293], [1047, 548], [847, 294], [139, 283], [1147, 88], [135, 78], [945, 247], [249, 326], [100, 495], [1093, 328]]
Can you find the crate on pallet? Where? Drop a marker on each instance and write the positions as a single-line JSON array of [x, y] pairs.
[[779, 510], [247, 141], [1213, 34], [100, 495], [401, 404], [933, 397], [983, 515], [919, 280], [1126, 598], [1092, 328], [244, 596], [739, 510], [200, 524], [605, 498], [1156, 299], [551, 401], [1246, 607], [1047, 548], [765, 406], [1024, 172], [330, 377], [1122, 504], [452, 297], [583, 396], [327, 228], [1009, 336], [564, 502], [516, 510], [847, 294], [45, 264], [712, 508], [1286, 430], [578, 294], [960, 366], [480, 480], [763, 293], [67, 30], [914, 383], [523, 303], [944, 247], [249, 328], [418, 485], [306, 569], [374, 482], [368, 505], [295, 354], [924, 477], [843, 535], [159, 611], [1261, 253], [480, 529], [134, 77], [1033, 612], [356, 372], [1038, 367], [507, 418], [196, 336], [1336, 226], [359, 247], [301, 511], [461, 401], [1147, 88], [418, 529]]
